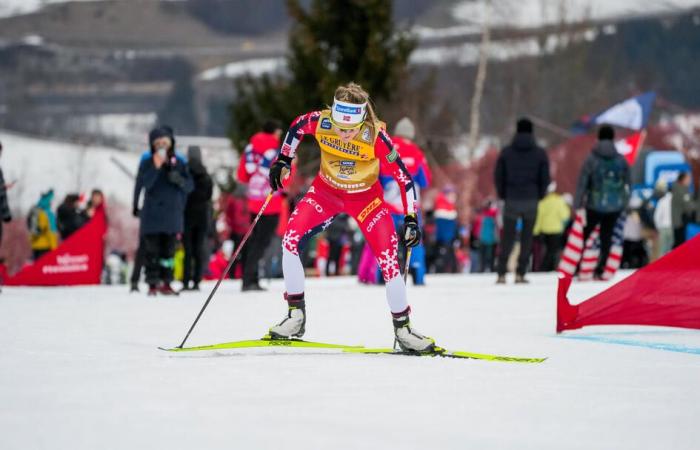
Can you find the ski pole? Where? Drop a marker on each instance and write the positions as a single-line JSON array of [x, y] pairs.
[[228, 267], [408, 264]]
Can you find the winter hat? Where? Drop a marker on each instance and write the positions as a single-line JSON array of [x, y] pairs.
[[524, 125], [159, 132], [606, 133], [404, 128]]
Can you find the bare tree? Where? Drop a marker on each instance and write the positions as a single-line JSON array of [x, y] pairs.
[[479, 82]]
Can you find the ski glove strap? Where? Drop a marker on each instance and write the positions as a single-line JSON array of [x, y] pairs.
[[411, 231], [279, 171]]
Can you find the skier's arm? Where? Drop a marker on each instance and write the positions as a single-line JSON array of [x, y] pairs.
[[389, 158], [282, 165], [301, 126]]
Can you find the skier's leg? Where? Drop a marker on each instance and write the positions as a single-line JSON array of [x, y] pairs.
[[376, 224], [313, 214]]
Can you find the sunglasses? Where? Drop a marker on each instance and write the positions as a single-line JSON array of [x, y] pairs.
[[344, 127]]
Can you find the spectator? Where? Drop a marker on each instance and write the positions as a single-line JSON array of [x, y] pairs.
[[445, 230], [552, 214], [603, 190], [414, 160], [69, 218], [663, 221], [488, 236], [254, 169], [41, 222], [97, 201], [5, 214], [522, 177], [237, 219], [197, 218], [634, 253], [681, 207], [338, 237], [166, 181]]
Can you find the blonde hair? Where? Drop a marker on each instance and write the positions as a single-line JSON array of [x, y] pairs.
[[353, 93]]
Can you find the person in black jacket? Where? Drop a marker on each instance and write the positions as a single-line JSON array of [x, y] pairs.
[[68, 216], [197, 219], [4, 206], [522, 177], [167, 181], [603, 191]]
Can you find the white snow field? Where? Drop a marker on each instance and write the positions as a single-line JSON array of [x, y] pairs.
[[79, 369]]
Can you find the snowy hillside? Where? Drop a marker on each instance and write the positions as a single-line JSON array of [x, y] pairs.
[[80, 370], [540, 13], [38, 165], [15, 7]]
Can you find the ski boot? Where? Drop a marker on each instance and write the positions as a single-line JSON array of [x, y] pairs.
[[408, 339], [294, 324]]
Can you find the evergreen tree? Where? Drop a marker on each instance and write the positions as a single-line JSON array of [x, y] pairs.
[[330, 43]]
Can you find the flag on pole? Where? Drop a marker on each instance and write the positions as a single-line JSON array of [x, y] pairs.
[[629, 146], [632, 113]]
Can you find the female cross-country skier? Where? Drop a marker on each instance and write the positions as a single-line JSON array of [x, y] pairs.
[[353, 144]]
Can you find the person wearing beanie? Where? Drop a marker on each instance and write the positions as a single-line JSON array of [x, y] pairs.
[[414, 160], [602, 192], [521, 177], [166, 180]]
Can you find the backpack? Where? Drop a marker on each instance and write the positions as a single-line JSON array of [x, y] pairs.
[[608, 190], [33, 220]]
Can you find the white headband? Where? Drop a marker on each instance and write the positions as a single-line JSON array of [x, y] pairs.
[[348, 115]]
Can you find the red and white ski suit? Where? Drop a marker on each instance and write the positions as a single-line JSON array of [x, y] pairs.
[[348, 183]]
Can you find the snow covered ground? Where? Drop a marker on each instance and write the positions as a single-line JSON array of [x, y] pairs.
[[79, 369]]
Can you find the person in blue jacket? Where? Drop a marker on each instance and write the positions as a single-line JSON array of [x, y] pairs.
[[165, 178]]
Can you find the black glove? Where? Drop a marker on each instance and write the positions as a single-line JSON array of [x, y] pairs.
[[135, 211], [175, 178], [7, 218], [411, 231], [279, 170]]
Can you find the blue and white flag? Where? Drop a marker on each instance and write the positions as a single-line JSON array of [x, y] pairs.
[[632, 113]]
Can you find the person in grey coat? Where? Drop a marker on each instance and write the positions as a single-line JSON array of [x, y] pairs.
[[166, 180], [521, 177], [603, 191]]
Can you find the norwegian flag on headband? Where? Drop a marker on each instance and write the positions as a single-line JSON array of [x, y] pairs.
[[629, 146], [632, 113]]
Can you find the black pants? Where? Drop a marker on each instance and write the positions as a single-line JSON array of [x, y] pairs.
[[138, 262], [193, 240], [527, 212], [256, 245], [552, 248], [159, 250], [486, 252], [607, 223], [678, 236], [335, 250]]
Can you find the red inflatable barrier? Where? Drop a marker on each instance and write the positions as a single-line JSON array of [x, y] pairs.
[[78, 260], [664, 293]]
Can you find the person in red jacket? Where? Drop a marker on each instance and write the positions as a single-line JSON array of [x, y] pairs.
[[354, 144], [254, 169]]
